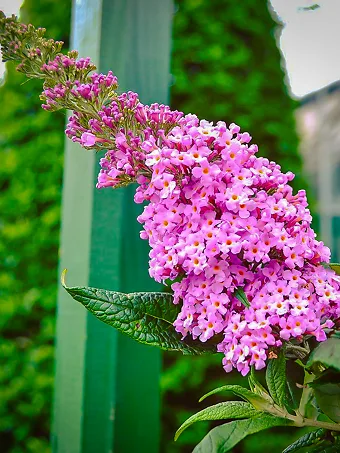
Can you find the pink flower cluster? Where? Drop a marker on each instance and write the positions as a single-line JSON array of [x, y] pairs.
[[219, 220]]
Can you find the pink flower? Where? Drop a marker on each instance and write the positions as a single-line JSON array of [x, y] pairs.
[[88, 139]]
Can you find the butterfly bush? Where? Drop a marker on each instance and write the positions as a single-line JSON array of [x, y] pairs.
[[220, 221]]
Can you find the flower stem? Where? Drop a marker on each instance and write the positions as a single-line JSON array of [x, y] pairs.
[[306, 393], [300, 421]]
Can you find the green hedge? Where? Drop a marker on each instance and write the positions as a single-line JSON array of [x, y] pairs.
[[226, 66], [31, 155]]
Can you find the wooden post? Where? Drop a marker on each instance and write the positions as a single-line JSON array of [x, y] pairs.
[[106, 394]]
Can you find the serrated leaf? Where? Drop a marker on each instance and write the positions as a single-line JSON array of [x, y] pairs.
[[223, 438], [220, 411], [242, 297], [145, 317], [306, 440], [276, 379], [257, 401], [327, 353]]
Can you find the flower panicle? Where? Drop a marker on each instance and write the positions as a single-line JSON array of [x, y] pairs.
[[219, 219]]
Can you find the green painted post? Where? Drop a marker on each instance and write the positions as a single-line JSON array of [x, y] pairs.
[[106, 394]]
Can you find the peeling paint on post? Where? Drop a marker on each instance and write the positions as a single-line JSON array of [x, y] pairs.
[[107, 396]]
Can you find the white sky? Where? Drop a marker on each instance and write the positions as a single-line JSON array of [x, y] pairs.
[[309, 41]]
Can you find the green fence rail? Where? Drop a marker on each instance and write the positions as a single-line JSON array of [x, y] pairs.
[[107, 397]]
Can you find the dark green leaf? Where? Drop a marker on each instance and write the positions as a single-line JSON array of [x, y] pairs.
[[257, 401], [328, 399], [241, 296], [221, 411], [327, 353], [306, 440], [145, 317], [328, 376], [276, 379], [225, 437], [292, 400], [294, 375], [327, 447]]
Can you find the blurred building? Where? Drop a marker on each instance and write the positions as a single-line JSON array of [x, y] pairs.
[[318, 123]]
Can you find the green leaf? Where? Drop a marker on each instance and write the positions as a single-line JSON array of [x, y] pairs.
[[306, 440], [241, 296], [300, 363], [257, 387], [328, 376], [334, 266], [292, 401], [276, 379], [307, 396], [257, 401], [327, 353], [145, 317], [223, 438], [327, 447], [294, 375], [221, 411], [328, 399]]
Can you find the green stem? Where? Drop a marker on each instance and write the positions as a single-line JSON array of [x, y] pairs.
[[301, 421], [306, 393]]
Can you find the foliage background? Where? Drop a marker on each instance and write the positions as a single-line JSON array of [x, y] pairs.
[[31, 156], [225, 65]]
